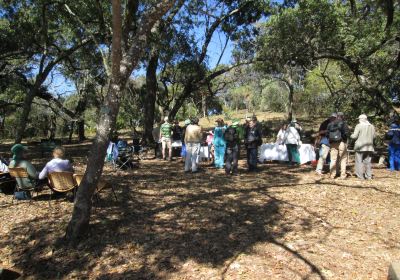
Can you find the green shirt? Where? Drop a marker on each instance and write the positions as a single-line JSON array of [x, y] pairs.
[[25, 182], [166, 130]]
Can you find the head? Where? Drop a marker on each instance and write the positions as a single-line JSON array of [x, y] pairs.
[[248, 119], [176, 122], [284, 126], [333, 117], [58, 152], [195, 121], [220, 122], [362, 118], [340, 116], [235, 123], [166, 119], [18, 151], [187, 122]]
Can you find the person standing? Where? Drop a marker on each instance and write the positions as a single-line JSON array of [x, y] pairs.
[[165, 135], [209, 140], [324, 146], [219, 144], [292, 141], [364, 134], [394, 145], [193, 137], [183, 151], [232, 138], [338, 132], [253, 139], [280, 138]]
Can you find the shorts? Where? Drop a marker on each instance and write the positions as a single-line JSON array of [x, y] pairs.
[[166, 143]]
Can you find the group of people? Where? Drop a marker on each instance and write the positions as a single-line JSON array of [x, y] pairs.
[[334, 136], [35, 179], [224, 140]]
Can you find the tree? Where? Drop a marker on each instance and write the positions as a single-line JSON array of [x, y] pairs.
[[126, 54]]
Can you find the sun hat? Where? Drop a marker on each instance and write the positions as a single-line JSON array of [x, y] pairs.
[[187, 122], [235, 122], [363, 117], [17, 148]]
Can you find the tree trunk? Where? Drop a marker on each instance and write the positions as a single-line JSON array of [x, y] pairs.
[[79, 222], [26, 109], [149, 100], [71, 132], [290, 105], [81, 130]]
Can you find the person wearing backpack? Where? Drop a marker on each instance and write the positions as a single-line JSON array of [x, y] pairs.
[[219, 144], [394, 146], [323, 142], [232, 138], [253, 139], [338, 132], [364, 134]]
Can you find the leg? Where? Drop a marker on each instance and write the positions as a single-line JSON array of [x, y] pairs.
[[235, 158], [253, 158], [359, 168], [163, 146], [392, 157], [188, 157], [397, 157], [248, 158], [334, 157], [169, 146], [368, 165], [289, 151], [323, 156], [195, 156], [228, 160], [343, 159], [296, 154]]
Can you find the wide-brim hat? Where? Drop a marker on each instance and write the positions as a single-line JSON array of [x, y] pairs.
[[17, 148]]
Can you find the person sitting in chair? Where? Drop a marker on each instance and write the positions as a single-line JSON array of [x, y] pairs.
[[19, 160], [57, 164]]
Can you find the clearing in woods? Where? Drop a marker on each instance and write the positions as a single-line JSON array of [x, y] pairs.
[[281, 223]]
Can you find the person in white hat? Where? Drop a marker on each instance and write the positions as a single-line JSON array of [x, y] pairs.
[[364, 134]]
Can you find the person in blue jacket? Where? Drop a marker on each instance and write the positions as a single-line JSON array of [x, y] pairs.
[[219, 144], [394, 145]]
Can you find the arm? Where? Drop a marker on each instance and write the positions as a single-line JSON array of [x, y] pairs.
[[356, 132], [31, 171], [43, 173]]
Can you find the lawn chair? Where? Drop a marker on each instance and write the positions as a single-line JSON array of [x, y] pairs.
[[101, 185], [20, 173], [62, 182]]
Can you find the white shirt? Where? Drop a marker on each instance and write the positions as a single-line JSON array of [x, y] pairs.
[[55, 165], [3, 167], [292, 136]]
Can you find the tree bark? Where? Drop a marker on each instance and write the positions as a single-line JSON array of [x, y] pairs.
[[149, 100], [121, 71], [79, 222], [26, 109], [290, 105]]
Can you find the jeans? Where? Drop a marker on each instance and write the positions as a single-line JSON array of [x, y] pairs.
[[192, 156], [324, 152], [232, 157], [252, 158], [394, 157], [363, 165], [338, 158]]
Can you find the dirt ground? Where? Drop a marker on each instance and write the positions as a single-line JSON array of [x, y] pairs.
[[281, 223]]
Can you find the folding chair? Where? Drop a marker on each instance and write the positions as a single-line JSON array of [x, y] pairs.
[[19, 173], [101, 185], [125, 157], [62, 182]]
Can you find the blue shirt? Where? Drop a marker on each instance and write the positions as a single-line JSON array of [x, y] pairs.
[[324, 141], [394, 133]]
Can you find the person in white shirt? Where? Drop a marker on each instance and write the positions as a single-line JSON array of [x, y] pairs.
[[280, 138], [292, 141], [57, 164], [3, 167]]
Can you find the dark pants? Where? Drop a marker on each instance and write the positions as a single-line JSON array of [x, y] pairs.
[[252, 159], [293, 153], [394, 157], [231, 159]]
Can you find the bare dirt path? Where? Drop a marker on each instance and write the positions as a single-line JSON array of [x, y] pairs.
[[281, 223]]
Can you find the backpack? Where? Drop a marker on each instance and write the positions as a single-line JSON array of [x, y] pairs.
[[335, 132], [231, 135]]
